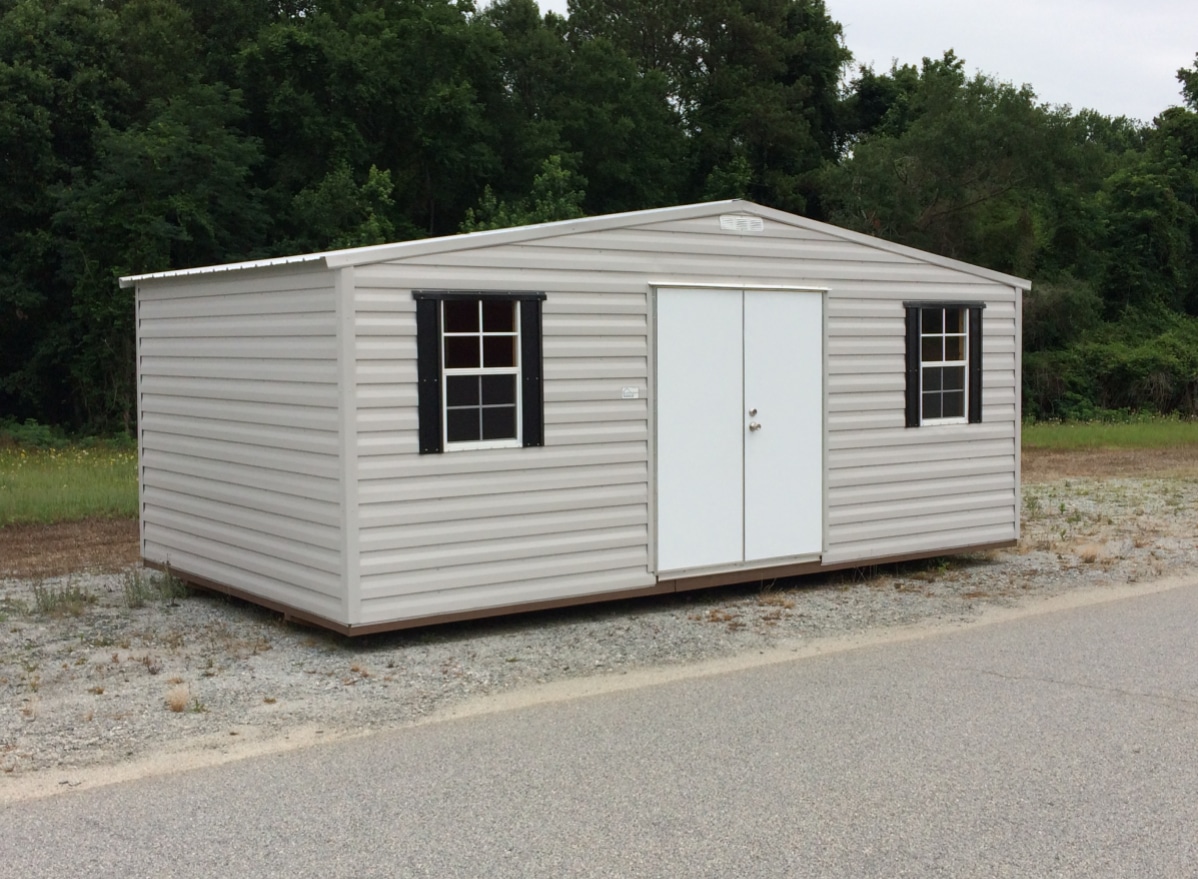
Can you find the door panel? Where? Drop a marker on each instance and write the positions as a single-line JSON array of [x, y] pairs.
[[728, 492], [700, 436], [783, 333]]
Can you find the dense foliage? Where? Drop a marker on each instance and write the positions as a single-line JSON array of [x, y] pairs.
[[140, 135]]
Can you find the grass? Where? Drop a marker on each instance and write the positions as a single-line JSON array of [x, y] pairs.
[[45, 485], [1157, 433], [68, 600], [141, 588]]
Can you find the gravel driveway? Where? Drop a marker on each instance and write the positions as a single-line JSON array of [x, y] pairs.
[[91, 684]]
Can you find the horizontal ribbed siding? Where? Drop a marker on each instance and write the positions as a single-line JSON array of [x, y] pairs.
[[894, 490], [456, 531], [239, 434]]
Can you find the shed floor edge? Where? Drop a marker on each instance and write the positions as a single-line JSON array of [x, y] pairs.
[[292, 614]]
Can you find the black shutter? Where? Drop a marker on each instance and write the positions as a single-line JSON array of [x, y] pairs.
[[428, 371], [532, 410], [913, 366], [975, 365]]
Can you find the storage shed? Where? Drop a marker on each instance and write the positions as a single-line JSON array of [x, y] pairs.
[[607, 407]]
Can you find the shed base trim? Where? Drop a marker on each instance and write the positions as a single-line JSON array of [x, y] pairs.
[[682, 584]]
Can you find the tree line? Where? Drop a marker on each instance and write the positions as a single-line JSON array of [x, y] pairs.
[[143, 135]]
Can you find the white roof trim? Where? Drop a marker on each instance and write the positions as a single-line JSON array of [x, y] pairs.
[[334, 259], [130, 280]]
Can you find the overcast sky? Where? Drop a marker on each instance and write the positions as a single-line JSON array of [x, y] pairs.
[[1119, 57]]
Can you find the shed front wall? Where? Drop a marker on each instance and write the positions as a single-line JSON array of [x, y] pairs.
[[239, 436], [459, 531]]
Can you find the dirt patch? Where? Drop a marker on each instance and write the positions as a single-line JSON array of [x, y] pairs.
[[1049, 465], [93, 546]]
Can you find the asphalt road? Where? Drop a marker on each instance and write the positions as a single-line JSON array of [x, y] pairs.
[[1061, 744]]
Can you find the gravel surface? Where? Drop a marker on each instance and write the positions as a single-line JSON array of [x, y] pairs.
[[87, 680]]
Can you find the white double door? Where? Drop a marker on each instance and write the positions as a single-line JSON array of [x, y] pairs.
[[739, 426]]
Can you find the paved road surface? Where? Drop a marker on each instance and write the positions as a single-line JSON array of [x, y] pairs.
[[1062, 744]]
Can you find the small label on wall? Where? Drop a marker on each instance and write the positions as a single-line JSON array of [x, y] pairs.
[[630, 393], [730, 223]]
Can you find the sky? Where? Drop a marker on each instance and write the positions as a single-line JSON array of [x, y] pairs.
[[1119, 57]]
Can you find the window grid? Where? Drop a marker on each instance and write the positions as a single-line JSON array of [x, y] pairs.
[[480, 387], [944, 361]]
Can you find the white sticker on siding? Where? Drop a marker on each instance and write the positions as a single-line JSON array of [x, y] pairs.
[[630, 393], [730, 223]]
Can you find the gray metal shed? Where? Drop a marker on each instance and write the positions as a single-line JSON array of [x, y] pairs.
[[613, 406]]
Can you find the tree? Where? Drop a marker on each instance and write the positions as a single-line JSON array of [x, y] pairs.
[[954, 165], [171, 193], [753, 81], [557, 194]]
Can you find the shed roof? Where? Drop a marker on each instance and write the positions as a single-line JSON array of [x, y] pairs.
[[424, 246]]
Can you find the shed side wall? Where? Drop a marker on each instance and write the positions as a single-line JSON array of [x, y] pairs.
[[239, 433], [442, 533]]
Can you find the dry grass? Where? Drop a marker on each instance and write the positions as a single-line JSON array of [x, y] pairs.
[[177, 698]]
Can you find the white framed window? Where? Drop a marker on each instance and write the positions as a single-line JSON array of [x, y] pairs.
[[478, 360], [943, 360], [944, 363], [480, 357]]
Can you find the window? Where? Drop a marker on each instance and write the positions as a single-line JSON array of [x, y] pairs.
[[944, 363], [479, 366]]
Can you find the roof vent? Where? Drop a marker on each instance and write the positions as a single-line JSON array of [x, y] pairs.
[[730, 223]]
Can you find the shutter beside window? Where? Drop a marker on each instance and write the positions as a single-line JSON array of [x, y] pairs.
[[975, 365], [532, 407], [428, 371], [913, 365]]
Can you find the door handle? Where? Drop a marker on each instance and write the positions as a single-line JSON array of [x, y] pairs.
[[753, 425]]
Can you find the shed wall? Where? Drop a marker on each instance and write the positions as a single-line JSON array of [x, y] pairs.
[[456, 531], [239, 433]]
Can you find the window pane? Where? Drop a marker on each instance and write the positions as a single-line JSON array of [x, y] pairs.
[[461, 317], [461, 390], [499, 317], [499, 350], [954, 348], [932, 379], [933, 320], [954, 320], [461, 425], [499, 422], [499, 389], [931, 349], [931, 405], [954, 404], [461, 352], [954, 378]]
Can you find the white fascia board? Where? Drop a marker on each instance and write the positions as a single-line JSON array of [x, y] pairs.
[[131, 280]]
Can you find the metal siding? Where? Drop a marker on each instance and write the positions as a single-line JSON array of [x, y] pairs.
[[459, 530], [594, 470], [469, 530], [894, 490], [239, 433]]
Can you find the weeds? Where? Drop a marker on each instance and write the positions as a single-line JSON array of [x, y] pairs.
[[141, 588], [68, 600]]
